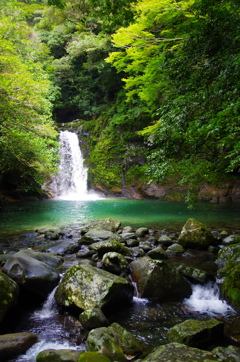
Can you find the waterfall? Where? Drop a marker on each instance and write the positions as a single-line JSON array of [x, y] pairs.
[[70, 183], [206, 299], [49, 308]]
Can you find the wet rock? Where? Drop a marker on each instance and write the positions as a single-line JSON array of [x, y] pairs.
[[9, 292], [127, 236], [231, 239], [93, 318], [34, 271], [194, 333], [115, 342], [165, 240], [180, 353], [195, 235], [103, 247], [230, 353], [51, 235], [115, 263], [175, 249], [127, 229], [93, 357], [228, 274], [65, 247], [157, 253], [140, 232], [64, 355], [95, 235], [14, 344], [108, 224], [159, 281], [86, 287], [132, 242], [194, 274]]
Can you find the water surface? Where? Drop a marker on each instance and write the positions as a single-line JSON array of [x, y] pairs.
[[151, 213]]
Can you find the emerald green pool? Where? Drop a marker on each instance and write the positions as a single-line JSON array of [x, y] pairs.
[[19, 217]]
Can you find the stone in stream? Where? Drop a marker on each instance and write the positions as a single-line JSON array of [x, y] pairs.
[[9, 292], [194, 333], [14, 344], [193, 274], [93, 318], [86, 287], [156, 280], [230, 353], [179, 353], [34, 271], [195, 235], [115, 263], [103, 247], [115, 342], [53, 355], [109, 224], [93, 357]]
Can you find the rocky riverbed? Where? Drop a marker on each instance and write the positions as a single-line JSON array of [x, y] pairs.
[[99, 272]]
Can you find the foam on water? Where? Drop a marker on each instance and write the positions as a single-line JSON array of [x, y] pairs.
[[206, 299]]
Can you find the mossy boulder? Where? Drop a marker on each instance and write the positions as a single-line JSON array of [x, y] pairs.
[[109, 224], [14, 344], [115, 342], [157, 280], [103, 247], [93, 318], [157, 253], [93, 357], [229, 354], [34, 271], [196, 333], [9, 292], [195, 235], [58, 355], [179, 353], [115, 263], [142, 231], [86, 287], [228, 262], [231, 239], [193, 274]]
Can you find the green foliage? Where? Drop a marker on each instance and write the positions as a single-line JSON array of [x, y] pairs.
[[27, 137], [182, 60]]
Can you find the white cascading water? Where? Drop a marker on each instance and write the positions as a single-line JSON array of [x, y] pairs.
[[70, 183], [206, 299]]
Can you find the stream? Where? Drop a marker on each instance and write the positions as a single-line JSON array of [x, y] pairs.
[[74, 206]]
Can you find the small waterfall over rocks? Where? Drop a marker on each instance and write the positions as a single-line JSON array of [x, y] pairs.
[[70, 183]]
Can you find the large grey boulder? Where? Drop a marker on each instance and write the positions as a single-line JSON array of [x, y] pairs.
[[194, 333], [9, 292], [179, 353], [86, 287], [115, 342], [157, 280], [195, 235], [14, 344], [34, 271]]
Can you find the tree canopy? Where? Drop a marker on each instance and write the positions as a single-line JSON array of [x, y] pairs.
[[154, 83]]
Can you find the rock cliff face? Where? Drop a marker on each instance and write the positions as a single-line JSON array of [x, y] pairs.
[[170, 191]]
